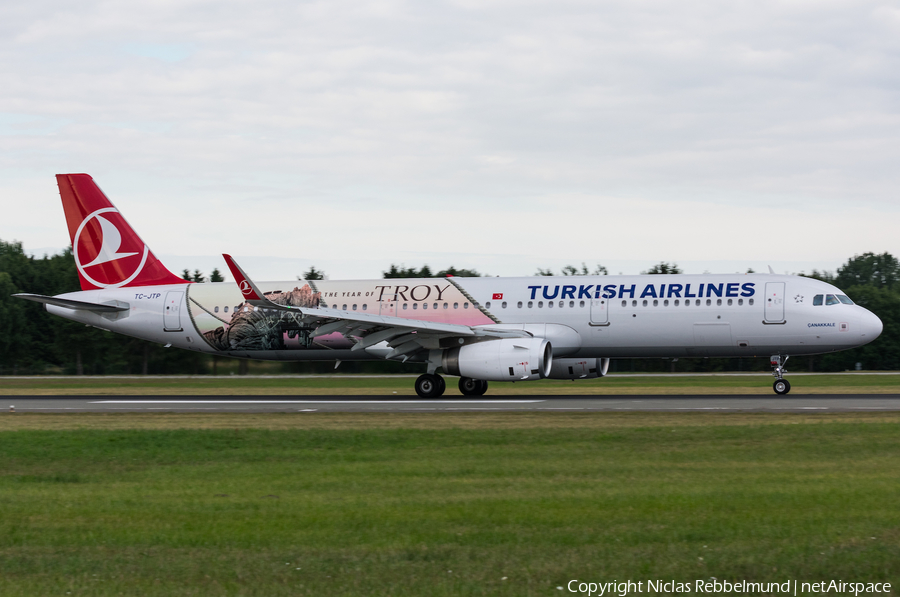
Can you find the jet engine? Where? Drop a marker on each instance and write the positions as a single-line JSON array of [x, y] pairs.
[[507, 359], [578, 368]]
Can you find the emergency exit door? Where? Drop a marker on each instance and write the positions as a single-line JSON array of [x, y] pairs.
[[172, 312], [774, 301], [600, 311]]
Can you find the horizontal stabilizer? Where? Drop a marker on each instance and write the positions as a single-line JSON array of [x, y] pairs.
[[70, 304]]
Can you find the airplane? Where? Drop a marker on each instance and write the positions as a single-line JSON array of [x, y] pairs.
[[478, 329]]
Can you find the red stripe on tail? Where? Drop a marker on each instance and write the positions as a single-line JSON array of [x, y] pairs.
[[108, 252]]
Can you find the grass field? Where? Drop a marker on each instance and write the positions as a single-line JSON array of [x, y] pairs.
[[756, 383], [457, 504]]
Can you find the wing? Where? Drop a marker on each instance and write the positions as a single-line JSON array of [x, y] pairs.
[[404, 336]]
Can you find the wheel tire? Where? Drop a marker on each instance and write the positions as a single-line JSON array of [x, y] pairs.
[[442, 385], [427, 386], [483, 385], [781, 386], [469, 386]]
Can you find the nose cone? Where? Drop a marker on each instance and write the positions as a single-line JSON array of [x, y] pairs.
[[871, 325]]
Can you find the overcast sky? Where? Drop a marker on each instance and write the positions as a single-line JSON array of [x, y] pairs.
[[501, 136]]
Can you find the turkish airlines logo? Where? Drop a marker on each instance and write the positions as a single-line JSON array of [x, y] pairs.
[[245, 287], [98, 242]]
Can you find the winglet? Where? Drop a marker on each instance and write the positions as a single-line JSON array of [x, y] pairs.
[[771, 271], [248, 289]]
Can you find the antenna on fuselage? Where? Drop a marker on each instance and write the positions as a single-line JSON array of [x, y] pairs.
[[771, 271]]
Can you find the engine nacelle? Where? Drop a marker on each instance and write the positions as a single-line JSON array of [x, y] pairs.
[[578, 368], [507, 359]]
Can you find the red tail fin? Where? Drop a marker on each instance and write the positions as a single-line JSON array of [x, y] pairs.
[[108, 252]]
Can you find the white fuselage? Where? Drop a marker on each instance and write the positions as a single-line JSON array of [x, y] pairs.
[[583, 316]]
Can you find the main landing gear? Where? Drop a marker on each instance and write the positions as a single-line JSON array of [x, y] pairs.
[[431, 385], [781, 385], [472, 387]]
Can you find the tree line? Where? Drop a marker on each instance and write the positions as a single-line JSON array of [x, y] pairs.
[[34, 342]]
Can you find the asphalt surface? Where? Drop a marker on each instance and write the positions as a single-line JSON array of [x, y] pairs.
[[454, 403]]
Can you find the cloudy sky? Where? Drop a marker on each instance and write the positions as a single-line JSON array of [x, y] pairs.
[[501, 136]]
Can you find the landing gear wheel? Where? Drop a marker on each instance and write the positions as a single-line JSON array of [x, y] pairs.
[[482, 387], [429, 386], [781, 386], [470, 387], [442, 385]]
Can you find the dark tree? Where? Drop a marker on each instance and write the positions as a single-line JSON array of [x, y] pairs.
[[216, 276], [313, 274], [880, 271], [458, 273], [571, 270], [407, 272], [664, 268]]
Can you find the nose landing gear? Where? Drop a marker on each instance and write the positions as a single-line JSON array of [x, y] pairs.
[[781, 385]]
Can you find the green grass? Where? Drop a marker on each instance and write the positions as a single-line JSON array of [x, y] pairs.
[[754, 383], [336, 505]]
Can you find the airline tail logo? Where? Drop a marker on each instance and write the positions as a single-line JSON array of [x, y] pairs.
[[245, 287], [99, 242]]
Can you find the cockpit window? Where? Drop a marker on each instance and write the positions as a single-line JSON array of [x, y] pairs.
[[844, 299], [830, 299], [817, 300]]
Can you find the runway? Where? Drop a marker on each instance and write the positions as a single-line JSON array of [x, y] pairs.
[[619, 403]]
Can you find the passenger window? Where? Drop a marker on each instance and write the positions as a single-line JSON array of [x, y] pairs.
[[226, 308], [456, 305], [749, 301], [549, 304], [676, 302], [415, 306], [844, 299], [216, 309], [740, 302], [424, 306], [697, 303], [830, 299], [365, 306], [718, 302], [624, 303], [571, 303], [344, 307], [817, 300], [465, 305], [487, 305], [562, 304], [503, 305], [405, 306], [354, 307], [530, 304], [519, 305], [729, 302], [581, 304], [645, 302], [435, 305], [708, 302], [655, 303], [540, 304], [634, 303], [666, 303], [446, 305]]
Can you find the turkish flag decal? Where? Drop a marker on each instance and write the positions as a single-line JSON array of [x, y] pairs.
[[498, 296]]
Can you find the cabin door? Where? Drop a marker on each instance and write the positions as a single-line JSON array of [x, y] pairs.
[[172, 313], [774, 301]]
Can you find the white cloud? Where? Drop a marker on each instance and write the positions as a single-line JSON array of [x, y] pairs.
[[510, 133]]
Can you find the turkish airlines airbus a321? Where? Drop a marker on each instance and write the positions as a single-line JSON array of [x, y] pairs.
[[479, 329]]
